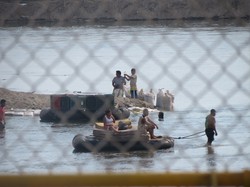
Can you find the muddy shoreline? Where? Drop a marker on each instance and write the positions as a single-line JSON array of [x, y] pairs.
[[60, 12]]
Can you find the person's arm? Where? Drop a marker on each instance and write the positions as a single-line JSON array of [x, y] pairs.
[[152, 122], [113, 83], [156, 126], [215, 132], [213, 125], [104, 121], [113, 118], [126, 76], [124, 81], [114, 127], [215, 128], [129, 77]]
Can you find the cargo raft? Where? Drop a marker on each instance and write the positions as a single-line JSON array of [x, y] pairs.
[[126, 140], [81, 107]]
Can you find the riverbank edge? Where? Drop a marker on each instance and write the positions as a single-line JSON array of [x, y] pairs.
[[31, 104], [81, 11]]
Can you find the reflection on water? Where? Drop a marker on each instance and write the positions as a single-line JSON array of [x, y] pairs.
[[2, 133], [38, 147], [133, 161], [211, 158]]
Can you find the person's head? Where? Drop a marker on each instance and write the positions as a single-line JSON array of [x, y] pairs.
[[108, 112], [133, 70], [118, 73], [145, 112], [213, 112], [3, 102]]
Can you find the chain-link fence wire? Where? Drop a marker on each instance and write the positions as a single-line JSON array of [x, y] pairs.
[[204, 65]]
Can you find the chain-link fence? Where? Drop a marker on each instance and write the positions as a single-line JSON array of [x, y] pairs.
[[189, 58]]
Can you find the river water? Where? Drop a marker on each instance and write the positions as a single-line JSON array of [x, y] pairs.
[[205, 65], [30, 146]]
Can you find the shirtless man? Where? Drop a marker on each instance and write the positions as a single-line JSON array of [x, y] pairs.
[[210, 128], [146, 124]]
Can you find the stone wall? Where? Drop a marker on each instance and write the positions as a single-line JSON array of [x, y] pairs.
[[87, 10]]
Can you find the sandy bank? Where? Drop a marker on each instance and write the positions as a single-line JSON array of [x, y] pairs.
[[26, 103], [24, 100]]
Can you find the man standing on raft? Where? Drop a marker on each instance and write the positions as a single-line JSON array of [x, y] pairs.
[[210, 128], [133, 83]]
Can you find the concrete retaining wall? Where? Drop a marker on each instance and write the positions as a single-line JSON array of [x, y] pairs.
[[68, 10]]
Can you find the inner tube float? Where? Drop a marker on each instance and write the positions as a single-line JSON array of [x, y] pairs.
[[83, 143]]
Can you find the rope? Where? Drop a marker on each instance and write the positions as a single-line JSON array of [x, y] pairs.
[[196, 136], [186, 137]]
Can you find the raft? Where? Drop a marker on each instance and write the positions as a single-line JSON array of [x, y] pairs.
[[125, 122], [81, 107], [121, 141]]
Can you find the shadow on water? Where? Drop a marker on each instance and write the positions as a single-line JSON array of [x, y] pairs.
[[141, 154], [211, 159], [129, 160], [2, 133]]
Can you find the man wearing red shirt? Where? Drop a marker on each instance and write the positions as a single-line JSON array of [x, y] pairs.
[[2, 113]]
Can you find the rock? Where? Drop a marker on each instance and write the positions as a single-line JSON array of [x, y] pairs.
[[128, 102]]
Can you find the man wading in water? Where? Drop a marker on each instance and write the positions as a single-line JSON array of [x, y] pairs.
[[210, 128]]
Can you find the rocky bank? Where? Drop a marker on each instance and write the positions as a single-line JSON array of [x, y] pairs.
[[26, 100]]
